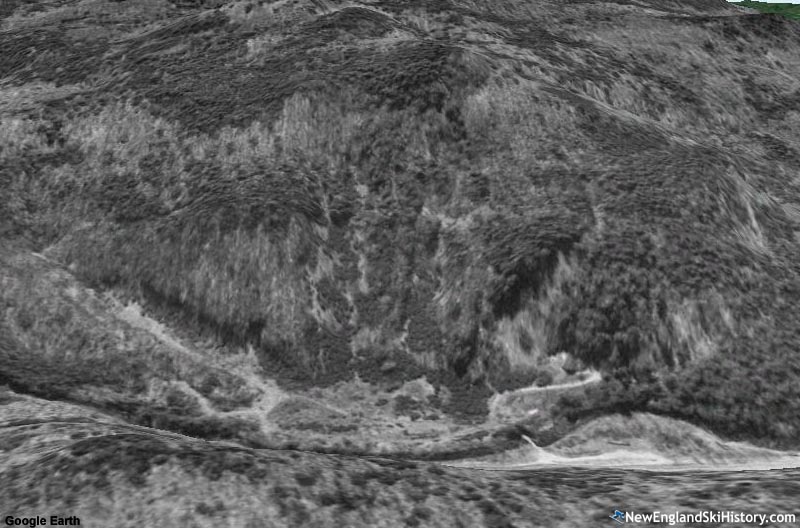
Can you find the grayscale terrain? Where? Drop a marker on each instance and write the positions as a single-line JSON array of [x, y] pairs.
[[385, 263]]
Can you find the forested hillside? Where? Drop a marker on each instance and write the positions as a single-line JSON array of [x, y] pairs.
[[483, 194]]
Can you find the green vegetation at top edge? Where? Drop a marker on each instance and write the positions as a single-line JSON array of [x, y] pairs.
[[791, 11]]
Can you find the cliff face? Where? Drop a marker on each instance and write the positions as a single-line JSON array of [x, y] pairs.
[[457, 190]]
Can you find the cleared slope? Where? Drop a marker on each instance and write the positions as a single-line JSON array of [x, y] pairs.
[[639, 441], [114, 469]]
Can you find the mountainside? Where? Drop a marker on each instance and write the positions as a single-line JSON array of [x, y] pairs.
[[369, 227]]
